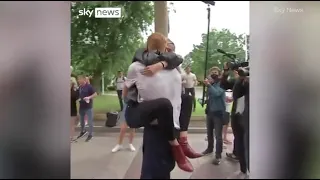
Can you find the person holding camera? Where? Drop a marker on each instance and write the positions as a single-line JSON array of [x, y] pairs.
[[216, 107], [239, 114]]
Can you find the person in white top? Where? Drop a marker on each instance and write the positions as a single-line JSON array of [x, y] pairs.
[[158, 98], [119, 85], [226, 123], [189, 81]]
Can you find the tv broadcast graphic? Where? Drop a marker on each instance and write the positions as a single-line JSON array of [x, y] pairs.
[[114, 90]]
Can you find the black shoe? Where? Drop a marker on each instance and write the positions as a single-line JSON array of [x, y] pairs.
[[232, 156], [82, 134], [207, 151], [216, 161], [89, 138]]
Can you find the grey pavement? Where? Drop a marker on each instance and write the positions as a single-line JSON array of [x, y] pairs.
[[94, 160]]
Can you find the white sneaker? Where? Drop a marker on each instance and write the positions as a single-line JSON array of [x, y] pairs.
[[132, 148], [117, 148], [86, 124]]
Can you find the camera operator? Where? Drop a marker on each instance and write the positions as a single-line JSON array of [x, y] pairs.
[[215, 113], [239, 112]]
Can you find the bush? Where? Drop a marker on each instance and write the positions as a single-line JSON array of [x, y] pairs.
[[111, 88]]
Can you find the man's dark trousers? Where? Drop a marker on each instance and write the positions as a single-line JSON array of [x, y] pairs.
[[215, 124], [239, 141], [235, 131], [119, 92], [157, 161], [193, 94]]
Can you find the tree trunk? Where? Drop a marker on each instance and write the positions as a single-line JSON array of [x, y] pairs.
[[96, 82], [161, 17]]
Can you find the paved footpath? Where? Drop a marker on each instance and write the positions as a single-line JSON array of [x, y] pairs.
[[94, 160]]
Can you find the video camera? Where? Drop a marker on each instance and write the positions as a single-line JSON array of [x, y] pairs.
[[241, 67]]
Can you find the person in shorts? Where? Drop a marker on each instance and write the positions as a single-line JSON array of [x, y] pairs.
[[227, 116], [123, 130]]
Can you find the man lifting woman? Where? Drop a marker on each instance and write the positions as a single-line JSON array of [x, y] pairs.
[[154, 96]]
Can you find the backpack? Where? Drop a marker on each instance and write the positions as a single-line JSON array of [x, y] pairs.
[[112, 119]]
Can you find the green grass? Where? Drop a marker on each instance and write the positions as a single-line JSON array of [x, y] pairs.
[[107, 103]]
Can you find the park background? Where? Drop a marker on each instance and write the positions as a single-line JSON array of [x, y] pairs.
[[101, 47]]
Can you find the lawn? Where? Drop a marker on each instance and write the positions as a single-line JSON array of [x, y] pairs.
[[109, 103]]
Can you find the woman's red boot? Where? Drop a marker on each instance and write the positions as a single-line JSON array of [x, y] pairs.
[[188, 151], [182, 161]]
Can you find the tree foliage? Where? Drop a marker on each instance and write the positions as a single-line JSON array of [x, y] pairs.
[[218, 39], [107, 45]]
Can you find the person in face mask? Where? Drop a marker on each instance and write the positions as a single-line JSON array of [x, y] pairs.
[[216, 108]]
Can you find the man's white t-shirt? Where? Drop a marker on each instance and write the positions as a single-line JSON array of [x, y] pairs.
[[189, 80], [120, 82], [164, 84]]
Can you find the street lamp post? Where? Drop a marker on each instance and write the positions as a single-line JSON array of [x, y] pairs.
[[207, 50], [102, 83]]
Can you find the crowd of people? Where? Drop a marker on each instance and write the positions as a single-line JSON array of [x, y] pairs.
[[162, 102]]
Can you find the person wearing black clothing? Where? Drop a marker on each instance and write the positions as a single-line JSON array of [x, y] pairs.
[[74, 112], [229, 84], [246, 121], [239, 120], [155, 107], [158, 161], [187, 100]]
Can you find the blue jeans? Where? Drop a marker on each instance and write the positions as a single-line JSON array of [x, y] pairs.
[[89, 113], [214, 128]]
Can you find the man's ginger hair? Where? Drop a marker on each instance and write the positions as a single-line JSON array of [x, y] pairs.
[[157, 41]]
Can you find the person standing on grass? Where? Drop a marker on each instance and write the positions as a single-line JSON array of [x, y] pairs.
[[119, 85], [123, 129], [86, 95], [190, 82]]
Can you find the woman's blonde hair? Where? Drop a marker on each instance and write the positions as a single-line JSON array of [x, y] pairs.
[[157, 41]]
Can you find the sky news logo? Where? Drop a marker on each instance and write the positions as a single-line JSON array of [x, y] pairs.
[[101, 12]]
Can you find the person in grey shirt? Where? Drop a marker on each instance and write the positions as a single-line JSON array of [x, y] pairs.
[[158, 97]]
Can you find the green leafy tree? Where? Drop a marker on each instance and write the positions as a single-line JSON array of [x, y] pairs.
[[107, 45], [219, 39], [187, 60]]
